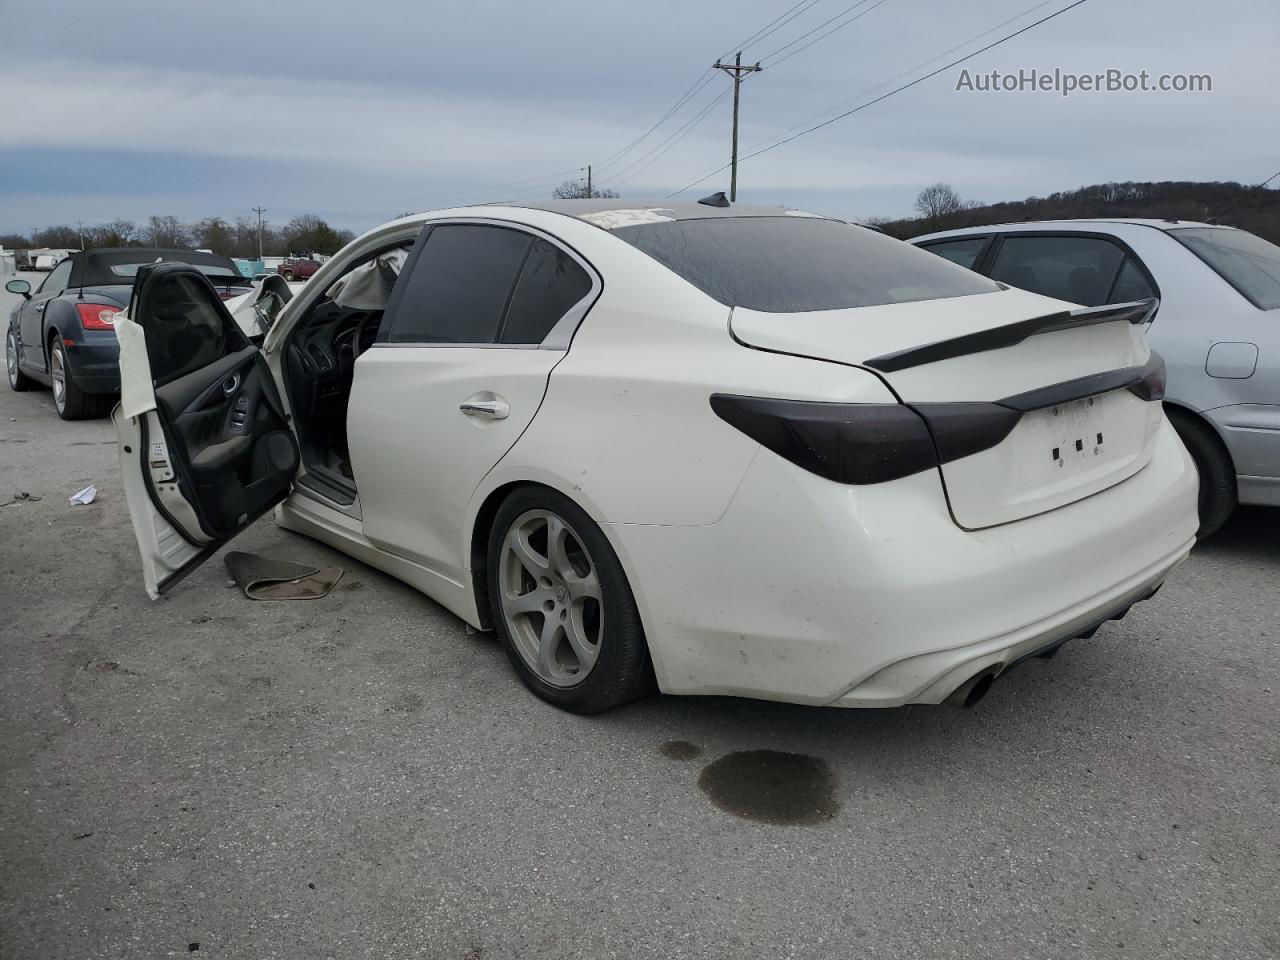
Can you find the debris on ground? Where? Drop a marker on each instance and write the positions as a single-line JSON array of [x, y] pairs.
[[266, 578], [21, 497], [86, 495]]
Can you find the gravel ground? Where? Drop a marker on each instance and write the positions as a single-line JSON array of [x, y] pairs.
[[358, 777]]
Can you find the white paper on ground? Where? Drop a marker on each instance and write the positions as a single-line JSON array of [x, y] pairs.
[[86, 495]]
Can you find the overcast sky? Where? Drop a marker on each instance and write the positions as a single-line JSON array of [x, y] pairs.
[[362, 111]]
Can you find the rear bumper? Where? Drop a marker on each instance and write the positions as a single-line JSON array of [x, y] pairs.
[[813, 592], [96, 366]]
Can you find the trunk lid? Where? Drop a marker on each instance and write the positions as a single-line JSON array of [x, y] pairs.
[[1074, 375]]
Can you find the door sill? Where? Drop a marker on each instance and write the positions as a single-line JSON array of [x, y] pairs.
[[328, 489]]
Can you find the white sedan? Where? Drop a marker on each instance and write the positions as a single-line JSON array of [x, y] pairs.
[[727, 449]]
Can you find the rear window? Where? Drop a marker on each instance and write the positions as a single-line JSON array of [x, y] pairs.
[[1248, 263], [208, 269], [795, 264]]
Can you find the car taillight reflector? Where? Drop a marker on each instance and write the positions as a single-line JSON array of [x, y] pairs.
[[97, 316]]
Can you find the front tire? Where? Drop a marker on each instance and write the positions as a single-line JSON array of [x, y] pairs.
[[1217, 473], [562, 606], [69, 400], [18, 380]]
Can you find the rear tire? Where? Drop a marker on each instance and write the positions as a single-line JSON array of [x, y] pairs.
[[69, 400], [1217, 472], [18, 380], [562, 606], [288, 275]]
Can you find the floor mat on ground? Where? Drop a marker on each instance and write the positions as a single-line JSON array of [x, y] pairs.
[[266, 578]]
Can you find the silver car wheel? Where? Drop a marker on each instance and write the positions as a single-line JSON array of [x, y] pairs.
[[58, 373], [11, 358], [550, 598]]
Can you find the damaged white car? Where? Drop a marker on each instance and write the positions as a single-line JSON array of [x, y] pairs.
[[718, 448]]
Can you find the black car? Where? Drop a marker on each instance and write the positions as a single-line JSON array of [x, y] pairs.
[[62, 336]]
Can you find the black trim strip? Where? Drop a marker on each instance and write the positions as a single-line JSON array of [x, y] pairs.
[[1010, 334], [1137, 380]]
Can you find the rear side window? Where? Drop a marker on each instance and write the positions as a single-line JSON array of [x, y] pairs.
[[459, 286], [550, 284], [1077, 269], [1132, 284], [963, 253], [795, 264], [1248, 263]]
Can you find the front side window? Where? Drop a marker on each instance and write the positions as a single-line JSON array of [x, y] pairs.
[[964, 253], [184, 327], [1248, 263], [1076, 269], [551, 283], [459, 286], [796, 264], [57, 279]]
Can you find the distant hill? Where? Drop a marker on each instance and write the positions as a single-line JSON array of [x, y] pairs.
[[1256, 210]]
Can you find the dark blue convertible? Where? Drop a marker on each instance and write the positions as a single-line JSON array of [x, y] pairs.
[[61, 335]]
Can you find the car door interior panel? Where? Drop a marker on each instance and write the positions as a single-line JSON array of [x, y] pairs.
[[226, 432]]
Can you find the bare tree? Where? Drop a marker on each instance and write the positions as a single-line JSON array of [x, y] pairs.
[[117, 233], [214, 234], [577, 190], [167, 232], [937, 202]]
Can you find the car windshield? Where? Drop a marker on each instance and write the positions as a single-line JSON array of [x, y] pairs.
[[792, 264], [210, 270], [1248, 263]]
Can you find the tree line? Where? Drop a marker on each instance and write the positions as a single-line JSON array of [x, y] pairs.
[[235, 238], [1256, 209]]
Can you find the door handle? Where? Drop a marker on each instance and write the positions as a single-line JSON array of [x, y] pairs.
[[496, 409]]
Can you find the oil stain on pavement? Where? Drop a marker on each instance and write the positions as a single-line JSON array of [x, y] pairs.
[[771, 787], [680, 750]]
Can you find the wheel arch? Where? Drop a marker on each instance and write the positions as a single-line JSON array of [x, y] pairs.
[[478, 547], [1179, 411]]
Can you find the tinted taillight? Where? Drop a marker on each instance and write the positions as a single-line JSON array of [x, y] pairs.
[[867, 442], [1152, 383], [848, 443], [97, 316]]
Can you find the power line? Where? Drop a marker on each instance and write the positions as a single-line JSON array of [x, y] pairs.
[[768, 56], [695, 88], [906, 73], [486, 191], [1235, 203], [886, 96], [630, 171], [766, 32]]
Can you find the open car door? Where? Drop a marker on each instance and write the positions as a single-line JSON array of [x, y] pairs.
[[205, 445]]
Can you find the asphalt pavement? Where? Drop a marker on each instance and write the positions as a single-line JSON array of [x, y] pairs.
[[357, 776]]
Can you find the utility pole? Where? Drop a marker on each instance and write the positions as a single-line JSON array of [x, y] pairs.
[[80, 230], [259, 211], [589, 193], [735, 70]]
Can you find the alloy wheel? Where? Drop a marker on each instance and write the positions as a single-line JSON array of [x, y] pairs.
[[550, 598], [11, 358], [58, 373]]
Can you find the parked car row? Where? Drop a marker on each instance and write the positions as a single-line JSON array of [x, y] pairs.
[[891, 477], [1217, 327]]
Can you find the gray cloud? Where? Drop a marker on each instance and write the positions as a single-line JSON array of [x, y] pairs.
[[362, 111]]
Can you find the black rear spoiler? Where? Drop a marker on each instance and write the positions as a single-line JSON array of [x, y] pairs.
[[1137, 312]]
